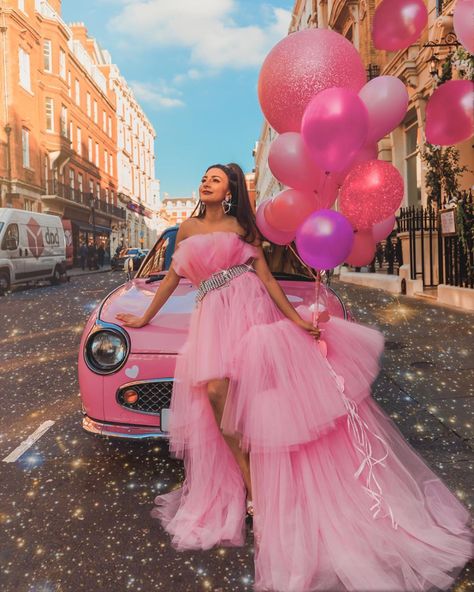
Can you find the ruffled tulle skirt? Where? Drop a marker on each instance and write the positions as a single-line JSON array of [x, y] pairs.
[[342, 501]]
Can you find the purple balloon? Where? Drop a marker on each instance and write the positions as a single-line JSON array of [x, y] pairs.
[[334, 128], [275, 236], [450, 113], [386, 99], [398, 23], [324, 239]]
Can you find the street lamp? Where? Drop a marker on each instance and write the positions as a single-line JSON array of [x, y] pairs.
[[92, 207]]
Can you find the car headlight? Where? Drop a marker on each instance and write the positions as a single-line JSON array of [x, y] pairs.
[[106, 349]]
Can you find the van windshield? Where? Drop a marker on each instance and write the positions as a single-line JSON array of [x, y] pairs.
[[2, 224]]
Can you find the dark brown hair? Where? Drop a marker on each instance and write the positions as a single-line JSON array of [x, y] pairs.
[[240, 201]]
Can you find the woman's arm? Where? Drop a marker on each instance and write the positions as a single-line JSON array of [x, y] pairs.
[[278, 296], [167, 286]]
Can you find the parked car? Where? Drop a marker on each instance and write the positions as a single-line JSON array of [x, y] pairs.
[[32, 248], [126, 374], [134, 253]]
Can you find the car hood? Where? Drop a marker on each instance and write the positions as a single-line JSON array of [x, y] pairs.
[[167, 331]]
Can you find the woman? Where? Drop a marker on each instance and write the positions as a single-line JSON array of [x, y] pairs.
[[266, 419]]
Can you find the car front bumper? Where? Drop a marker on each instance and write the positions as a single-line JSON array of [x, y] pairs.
[[121, 430]]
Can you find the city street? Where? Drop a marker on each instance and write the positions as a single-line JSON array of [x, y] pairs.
[[74, 509]]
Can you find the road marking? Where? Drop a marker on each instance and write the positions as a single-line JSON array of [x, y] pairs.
[[23, 447]]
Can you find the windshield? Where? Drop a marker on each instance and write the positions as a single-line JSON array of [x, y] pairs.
[[2, 224], [280, 259], [132, 251]]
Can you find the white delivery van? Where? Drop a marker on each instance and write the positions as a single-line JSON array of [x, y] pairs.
[[32, 247]]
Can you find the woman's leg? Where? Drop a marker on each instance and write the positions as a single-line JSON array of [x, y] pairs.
[[217, 393]]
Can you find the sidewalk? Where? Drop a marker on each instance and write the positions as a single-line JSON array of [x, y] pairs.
[[75, 271]]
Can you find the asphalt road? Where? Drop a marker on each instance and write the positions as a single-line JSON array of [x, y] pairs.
[[74, 508]]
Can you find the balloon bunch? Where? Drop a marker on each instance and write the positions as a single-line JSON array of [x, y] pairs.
[[312, 91]]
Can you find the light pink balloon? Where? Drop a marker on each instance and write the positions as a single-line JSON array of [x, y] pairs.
[[370, 193], [450, 113], [327, 190], [386, 99], [287, 210], [363, 249], [367, 152], [273, 235], [398, 23], [291, 164], [301, 65], [463, 21], [382, 229], [334, 128]]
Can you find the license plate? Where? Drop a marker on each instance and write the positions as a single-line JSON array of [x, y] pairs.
[[164, 419]]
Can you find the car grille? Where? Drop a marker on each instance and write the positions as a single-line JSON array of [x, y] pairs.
[[152, 396]]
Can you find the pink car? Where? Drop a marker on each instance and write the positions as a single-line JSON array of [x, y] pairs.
[[126, 374]]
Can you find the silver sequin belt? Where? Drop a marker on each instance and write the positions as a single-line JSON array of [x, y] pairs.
[[221, 279]]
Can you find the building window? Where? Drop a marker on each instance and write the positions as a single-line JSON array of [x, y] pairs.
[[49, 114], [89, 152], [63, 121], [97, 190], [79, 141], [77, 93], [112, 196], [80, 182], [96, 118], [106, 195], [104, 121], [47, 55], [91, 187], [106, 161], [96, 154], [21, 5], [62, 64], [72, 180], [412, 159], [88, 104], [110, 126], [24, 62], [69, 84], [71, 132], [25, 143], [111, 165]]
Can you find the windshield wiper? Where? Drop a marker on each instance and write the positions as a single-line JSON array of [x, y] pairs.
[[154, 278]]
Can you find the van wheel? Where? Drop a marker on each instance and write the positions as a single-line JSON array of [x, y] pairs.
[[55, 280], [4, 283]]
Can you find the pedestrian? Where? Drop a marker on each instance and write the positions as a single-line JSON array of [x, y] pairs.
[[101, 254], [92, 256], [275, 419], [83, 255]]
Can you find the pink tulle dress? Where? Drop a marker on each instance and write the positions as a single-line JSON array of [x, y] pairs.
[[342, 501]]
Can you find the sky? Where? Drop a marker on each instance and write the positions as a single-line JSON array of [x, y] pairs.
[[193, 66]]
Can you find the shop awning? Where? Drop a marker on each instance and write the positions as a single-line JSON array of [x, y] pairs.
[[90, 228]]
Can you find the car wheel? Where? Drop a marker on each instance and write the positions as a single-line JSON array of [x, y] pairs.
[[56, 276], [4, 283]]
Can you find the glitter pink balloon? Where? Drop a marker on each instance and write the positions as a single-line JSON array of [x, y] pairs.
[[287, 210], [398, 23], [386, 99], [363, 249], [463, 21], [370, 193], [450, 113], [334, 128], [300, 66], [273, 235], [324, 239], [291, 164]]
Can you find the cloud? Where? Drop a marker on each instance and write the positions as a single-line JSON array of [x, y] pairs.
[[158, 95], [206, 28]]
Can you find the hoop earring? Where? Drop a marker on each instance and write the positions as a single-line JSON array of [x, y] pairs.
[[202, 206], [226, 205]]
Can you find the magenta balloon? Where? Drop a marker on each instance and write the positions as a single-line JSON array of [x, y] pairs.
[[274, 236], [367, 152], [463, 21], [371, 192], [386, 99], [334, 128], [300, 66], [382, 229], [324, 239], [398, 23], [363, 249], [327, 190], [291, 164], [450, 113]]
